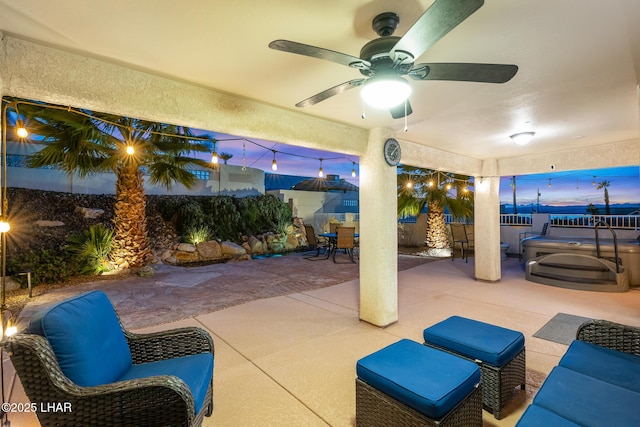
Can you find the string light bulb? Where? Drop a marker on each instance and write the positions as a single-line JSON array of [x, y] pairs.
[[353, 169], [21, 131], [214, 155], [274, 164], [320, 171]]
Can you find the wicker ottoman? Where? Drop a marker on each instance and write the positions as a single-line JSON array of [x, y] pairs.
[[409, 384], [500, 352]]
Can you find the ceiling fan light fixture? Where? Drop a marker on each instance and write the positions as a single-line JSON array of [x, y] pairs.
[[385, 91], [522, 138]]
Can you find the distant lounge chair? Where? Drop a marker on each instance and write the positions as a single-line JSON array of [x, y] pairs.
[[460, 236]]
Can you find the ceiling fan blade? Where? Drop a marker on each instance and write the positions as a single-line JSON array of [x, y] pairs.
[[399, 111], [320, 53], [442, 17], [336, 90], [483, 73]]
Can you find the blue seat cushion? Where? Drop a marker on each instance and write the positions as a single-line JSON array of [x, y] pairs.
[[430, 381], [195, 370], [477, 340], [588, 401], [537, 416], [612, 366], [86, 337]]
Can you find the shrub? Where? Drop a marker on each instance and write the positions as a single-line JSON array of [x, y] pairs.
[[189, 214], [46, 266], [91, 249], [264, 213], [197, 235], [223, 216]]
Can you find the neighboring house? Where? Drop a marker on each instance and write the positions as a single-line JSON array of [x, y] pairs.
[[224, 180], [310, 196]]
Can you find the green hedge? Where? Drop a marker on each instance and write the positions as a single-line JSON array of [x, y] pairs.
[[227, 217]]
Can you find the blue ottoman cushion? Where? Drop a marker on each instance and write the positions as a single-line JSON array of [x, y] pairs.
[[477, 340], [428, 380], [589, 359], [593, 403], [537, 416]]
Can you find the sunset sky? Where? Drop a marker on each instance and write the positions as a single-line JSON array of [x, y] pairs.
[[556, 188]]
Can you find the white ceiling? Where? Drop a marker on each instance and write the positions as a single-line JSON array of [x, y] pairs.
[[576, 85]]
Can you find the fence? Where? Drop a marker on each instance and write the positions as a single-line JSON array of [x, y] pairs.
[[622, 222]]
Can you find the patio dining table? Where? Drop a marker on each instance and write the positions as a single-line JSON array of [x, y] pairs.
[[332, 241]]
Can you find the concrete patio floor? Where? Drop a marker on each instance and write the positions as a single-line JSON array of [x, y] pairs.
[[289, 360]]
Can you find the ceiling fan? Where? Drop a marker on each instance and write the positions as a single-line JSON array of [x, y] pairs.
[[385, 60]]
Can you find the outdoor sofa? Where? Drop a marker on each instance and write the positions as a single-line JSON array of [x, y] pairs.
[[596, 383]]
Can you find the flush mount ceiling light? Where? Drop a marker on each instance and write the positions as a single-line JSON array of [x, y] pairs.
[[385, 91], [522, 138]]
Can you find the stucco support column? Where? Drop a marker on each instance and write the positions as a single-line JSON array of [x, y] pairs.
[[378, 234], [487, 223]]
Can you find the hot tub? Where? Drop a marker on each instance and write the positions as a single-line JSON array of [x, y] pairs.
[[628, 250]]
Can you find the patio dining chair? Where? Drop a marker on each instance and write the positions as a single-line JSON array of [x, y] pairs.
[[315, 242], [345, 239], [77, 353], [460, 237], [333, 227]]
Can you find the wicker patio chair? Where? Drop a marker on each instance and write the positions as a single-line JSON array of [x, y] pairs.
[[170, 399], [612, 335]]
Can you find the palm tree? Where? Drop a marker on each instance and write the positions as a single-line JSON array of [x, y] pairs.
[[225, 157], [604, 185], [419, 187], [82, 143]]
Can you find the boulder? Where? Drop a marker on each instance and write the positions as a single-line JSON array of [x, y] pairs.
[[90, 213], [164, 254], [209, 250], [45, 223], [291, 242], [255, 245], [276, 246], [232, 249], [186, 247], [186, 257]]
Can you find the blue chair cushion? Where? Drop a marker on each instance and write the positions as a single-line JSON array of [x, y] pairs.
[[195, 370], [612, 366], [476, 340], [86, 337], [430, 381], [593, 403], [537, 416]]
